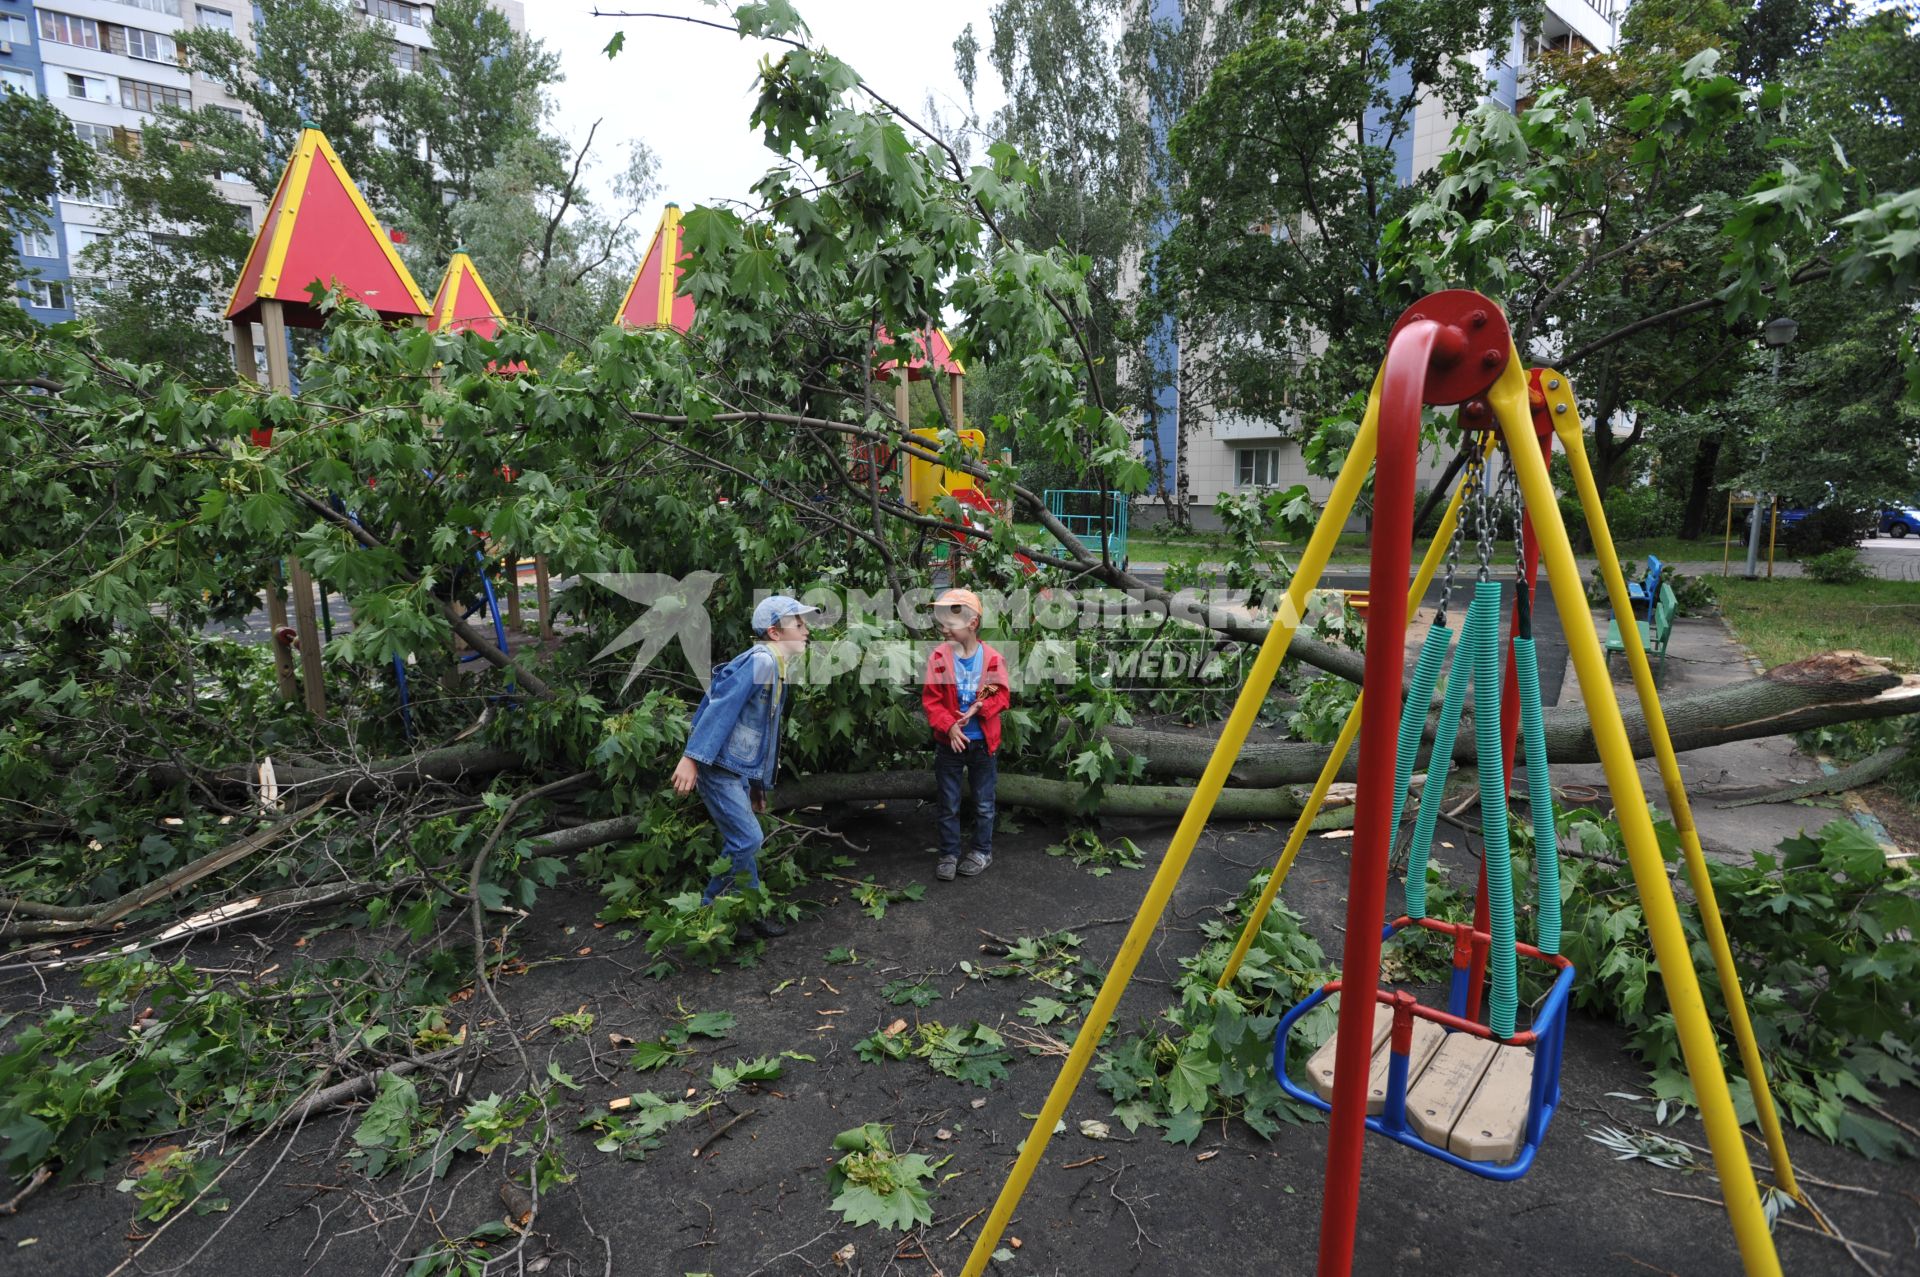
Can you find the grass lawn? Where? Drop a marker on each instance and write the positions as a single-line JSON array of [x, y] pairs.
[[1789, 618]]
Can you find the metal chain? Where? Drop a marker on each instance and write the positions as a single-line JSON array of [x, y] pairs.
[[1483, 508], [1467, 482]]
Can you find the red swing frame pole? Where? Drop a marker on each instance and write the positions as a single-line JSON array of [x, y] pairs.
[[1509, 703], [1447, 348]]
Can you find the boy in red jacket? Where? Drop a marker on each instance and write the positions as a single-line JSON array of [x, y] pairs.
[[963, 692]]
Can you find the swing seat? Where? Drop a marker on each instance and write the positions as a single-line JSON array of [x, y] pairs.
[[1440, 1083]]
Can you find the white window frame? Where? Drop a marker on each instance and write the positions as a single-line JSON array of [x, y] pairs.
[[44, 244], [98, 136], [144, 45], [169, 7], [63, 28], [95, 88], [15, 29], [14, 80], [222, 19], [130, 91], [1247, 467], [49, 294]]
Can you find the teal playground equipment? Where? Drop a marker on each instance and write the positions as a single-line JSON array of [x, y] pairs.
[[1080, 509]]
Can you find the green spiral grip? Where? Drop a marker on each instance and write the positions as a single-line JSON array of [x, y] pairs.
[[1439, 763], [1413, 717], [1546, 841], [1484, 643]]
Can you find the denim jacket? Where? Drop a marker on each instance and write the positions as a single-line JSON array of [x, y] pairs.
[[737, 723]]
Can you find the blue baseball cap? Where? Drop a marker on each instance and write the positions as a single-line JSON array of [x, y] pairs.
[[775, 608]]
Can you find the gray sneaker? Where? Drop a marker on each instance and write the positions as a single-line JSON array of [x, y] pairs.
[[974, 863], [944, 870]]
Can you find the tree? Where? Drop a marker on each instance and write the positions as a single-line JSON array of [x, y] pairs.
[[479, 96], [422, 143], [40, 157], [1287, 180], [1637, 217], [552, 258]]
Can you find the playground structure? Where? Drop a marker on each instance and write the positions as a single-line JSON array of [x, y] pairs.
[[1455, 348], [319, 229], [1097, 519], [653, 300]]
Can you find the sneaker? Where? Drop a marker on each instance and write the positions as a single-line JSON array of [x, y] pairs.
[[767, 928], [974, 863], [944, 870]]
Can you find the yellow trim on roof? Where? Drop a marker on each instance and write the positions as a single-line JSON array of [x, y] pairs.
[[620, 316], [669, 259], [265, 238], [486, 294], [373, 225], [299, 172]]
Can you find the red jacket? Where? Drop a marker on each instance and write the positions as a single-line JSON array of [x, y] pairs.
[[941, 696]]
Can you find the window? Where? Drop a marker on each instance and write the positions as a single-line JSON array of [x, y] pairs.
[[243, 218], [138, 95], [148, 46], [169, 7], [1259, 468], [407, 57], [214, 19], [15, 30], [47, 294], [407, 15], [20, 82], [85, 237], [82, 33], [106, 195], [39, 244], [88, 88], [98, 136]]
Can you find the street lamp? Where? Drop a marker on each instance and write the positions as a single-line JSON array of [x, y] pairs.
[[1776, 333]]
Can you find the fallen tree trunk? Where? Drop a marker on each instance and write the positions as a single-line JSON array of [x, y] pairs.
[[1834, 687], [1034, 793], [472, 760]]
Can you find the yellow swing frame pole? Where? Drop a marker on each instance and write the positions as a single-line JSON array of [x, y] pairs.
[[1697, 1043], [1338, 756], [1313, 561], [1566, 424]]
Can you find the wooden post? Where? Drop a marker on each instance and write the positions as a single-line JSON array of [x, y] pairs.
[[513, 595], [544, 594], [900, 384], [959, 422], [276, 602], [273, 321]]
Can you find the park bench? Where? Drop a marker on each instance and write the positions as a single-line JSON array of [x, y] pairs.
[[1654, 632], [1642, 592]]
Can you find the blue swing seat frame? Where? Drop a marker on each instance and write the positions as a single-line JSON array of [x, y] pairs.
[[1547, 1035]]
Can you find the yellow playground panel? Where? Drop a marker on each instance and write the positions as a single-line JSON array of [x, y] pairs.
[[927, 481]]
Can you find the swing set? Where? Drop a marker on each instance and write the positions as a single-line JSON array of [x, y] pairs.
[[1468, 1086]]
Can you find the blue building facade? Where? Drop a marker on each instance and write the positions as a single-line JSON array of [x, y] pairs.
[[46, 287]]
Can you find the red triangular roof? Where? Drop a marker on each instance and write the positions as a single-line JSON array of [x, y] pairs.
[[653, 299], [930, 350], [319, 227], [464, 304]]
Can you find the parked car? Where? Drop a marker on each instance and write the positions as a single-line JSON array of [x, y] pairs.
[[1898, 521]]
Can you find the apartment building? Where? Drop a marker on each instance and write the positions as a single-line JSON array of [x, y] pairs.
[[1231, 452], [109, 65]]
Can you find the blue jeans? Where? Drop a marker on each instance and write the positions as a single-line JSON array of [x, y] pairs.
[[729, 800], [982, 773]]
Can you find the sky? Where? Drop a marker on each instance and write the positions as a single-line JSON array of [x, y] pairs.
[[686, 90]]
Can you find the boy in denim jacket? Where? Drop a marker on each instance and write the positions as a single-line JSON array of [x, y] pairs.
[[733, 747], [963, 692]]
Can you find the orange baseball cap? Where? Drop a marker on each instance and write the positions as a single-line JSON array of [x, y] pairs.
[[961, 598]]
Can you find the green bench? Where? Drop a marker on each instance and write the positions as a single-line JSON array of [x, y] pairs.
[[1654, 632]]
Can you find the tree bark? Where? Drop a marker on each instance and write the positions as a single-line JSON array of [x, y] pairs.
[[455, 763], [1694, 516], [1834, 687]]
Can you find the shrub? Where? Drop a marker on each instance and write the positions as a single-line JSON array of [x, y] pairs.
[[1840, 566]]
